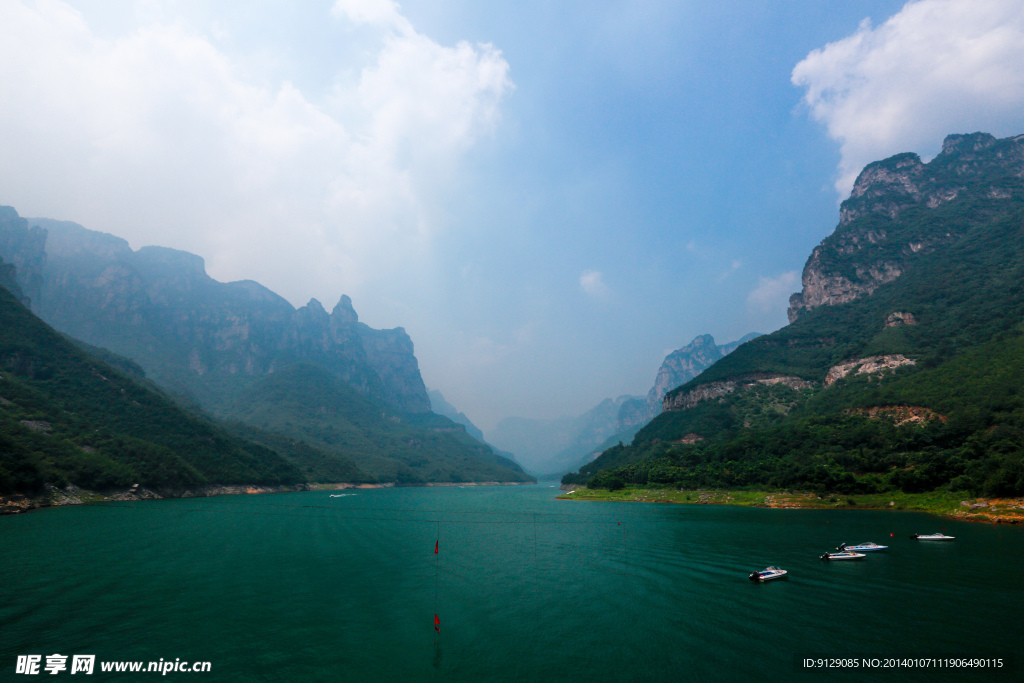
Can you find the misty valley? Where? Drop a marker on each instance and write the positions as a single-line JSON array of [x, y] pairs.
[[132, 374], [591, 421]]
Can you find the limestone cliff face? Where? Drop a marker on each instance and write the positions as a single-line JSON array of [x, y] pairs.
[[821, 289], [390, 354], [192, 333], [897, 318], [681, 366], [873, 245], [713, 390], [866, 366]]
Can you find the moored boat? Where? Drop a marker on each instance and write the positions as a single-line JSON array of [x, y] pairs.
[[768, 574], [933, 537], [867, 547], [843, 555]]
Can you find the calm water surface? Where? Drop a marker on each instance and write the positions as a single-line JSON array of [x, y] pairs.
[[305, 587]]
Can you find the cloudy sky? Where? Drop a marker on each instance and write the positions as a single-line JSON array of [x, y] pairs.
[[549, 197]]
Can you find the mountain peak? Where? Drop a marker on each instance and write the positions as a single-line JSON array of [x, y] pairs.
[[313, 313], [699, 341], [973, 142], [343, 312], [679, 367], [897, 173], [873, 244]]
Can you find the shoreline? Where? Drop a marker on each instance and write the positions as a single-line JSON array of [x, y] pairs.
[[52, 496], [391, 485], [944, 504], [17, 503]]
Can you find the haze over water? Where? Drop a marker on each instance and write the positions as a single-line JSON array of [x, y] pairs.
[[306, 587]]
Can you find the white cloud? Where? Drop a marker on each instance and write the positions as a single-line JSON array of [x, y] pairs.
[[934, 68], [159, 136], [380, 13], [591, 282], [772, 294]]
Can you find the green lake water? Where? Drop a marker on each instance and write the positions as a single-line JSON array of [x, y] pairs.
[[305, 587]]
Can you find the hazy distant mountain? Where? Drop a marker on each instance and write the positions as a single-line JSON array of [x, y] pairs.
[[558, 445], [209, 342], [439, 405], [678, 368], [9, 281], [23, 247], [159, 307]]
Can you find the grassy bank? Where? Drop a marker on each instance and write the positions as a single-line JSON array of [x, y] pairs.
[[944, 503]]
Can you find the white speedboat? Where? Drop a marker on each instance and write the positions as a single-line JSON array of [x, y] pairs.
[[933, 537], [768, 574], [843, 555], [864, 547]]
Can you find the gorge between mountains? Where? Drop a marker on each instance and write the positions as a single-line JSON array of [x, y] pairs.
[[320, 397]]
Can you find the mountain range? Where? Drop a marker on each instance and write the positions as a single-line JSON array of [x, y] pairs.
[[159, 307], [357, 408], [67, 417], [902, 365]]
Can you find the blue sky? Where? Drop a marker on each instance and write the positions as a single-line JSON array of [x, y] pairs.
[[549, 197]]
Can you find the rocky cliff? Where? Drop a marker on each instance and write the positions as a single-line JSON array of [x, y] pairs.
[[191, 333], [713, 390], [884, 227], [866, 366]]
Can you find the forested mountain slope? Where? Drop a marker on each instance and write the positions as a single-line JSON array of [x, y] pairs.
[[69, 418], [304, 403]]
